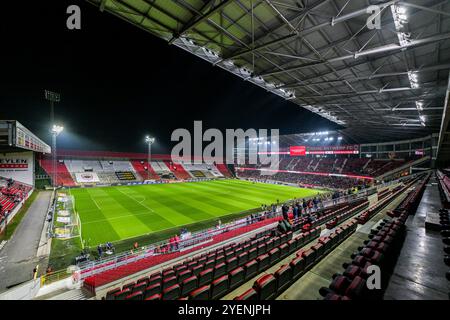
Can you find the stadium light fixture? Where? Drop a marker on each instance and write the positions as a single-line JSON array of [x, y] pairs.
[[339, 138], [57, 129], [149, 140]]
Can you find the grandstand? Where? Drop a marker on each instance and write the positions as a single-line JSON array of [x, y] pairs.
[[18, 148], [369, 199]]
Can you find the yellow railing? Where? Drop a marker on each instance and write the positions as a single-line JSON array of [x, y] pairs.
[[55, 276]]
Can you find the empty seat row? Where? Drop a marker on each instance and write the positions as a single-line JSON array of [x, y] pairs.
[[270, 286], [381, 250], [345, 215], [205, 268], [368, 214], [328, 214]]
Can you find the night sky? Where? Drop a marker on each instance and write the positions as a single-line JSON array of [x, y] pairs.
[[119, 83]]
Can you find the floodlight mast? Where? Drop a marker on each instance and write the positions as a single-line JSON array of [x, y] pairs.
[[55, 131], [52, 97], [149, 140]]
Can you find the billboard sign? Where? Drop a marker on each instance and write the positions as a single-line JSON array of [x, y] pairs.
[[18, 165], [297, 151], [323, 150], [87, 177]]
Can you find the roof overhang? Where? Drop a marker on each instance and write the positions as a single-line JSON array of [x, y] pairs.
[[385, 83]]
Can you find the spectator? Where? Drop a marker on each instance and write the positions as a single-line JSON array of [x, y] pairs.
[[296, 211], [177, 241]]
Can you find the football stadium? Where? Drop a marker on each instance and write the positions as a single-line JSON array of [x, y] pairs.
[[226, 150]]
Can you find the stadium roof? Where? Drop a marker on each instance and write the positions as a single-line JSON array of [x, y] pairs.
[[380, 84], [443, 154]]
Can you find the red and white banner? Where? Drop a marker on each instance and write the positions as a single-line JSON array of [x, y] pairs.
[[86, 177], [297, 151]]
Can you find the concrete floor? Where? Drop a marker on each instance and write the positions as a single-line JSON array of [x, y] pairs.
[[18, 256], [420, 269]]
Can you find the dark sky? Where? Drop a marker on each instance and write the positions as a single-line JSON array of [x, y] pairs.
[[119, 83]]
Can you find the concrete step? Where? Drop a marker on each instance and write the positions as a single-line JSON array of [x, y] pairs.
[[76, 294]]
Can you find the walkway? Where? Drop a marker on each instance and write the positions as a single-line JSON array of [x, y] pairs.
[[18, 256], [420, 270]]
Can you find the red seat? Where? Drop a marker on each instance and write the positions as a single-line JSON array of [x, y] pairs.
[[122, 294], [219, 287], [266, 286], [153, 289], [138, 295], [297, 266], [168, 282], [154, 297], [232, 263], [274, 255], [220, 269], [172, 293], [263, 262], [189, 285], [205, 277], [251, 269], [283, 276], [201, 293], [250, 294], [236, 277], [183, 275]]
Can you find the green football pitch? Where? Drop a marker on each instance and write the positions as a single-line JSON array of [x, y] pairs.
[[124, 212]]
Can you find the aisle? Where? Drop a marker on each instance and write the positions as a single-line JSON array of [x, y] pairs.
[[420, 270]]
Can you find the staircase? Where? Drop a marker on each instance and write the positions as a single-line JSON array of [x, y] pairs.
[[178, 170], [365, 166], [223, 169], [318, 162], [140, 169], [63, 176], [343, 165], [292, 164], [76, 294]]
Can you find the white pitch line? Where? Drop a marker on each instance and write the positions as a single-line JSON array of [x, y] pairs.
[[95, 202], [145, 206], [118, 217]]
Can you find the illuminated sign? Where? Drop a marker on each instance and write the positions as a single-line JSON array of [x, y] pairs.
[[297, 151], [323, 150], [419, 152]]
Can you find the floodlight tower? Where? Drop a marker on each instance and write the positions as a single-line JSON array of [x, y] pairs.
[[52, 97], [149, 140], [56, 130]]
